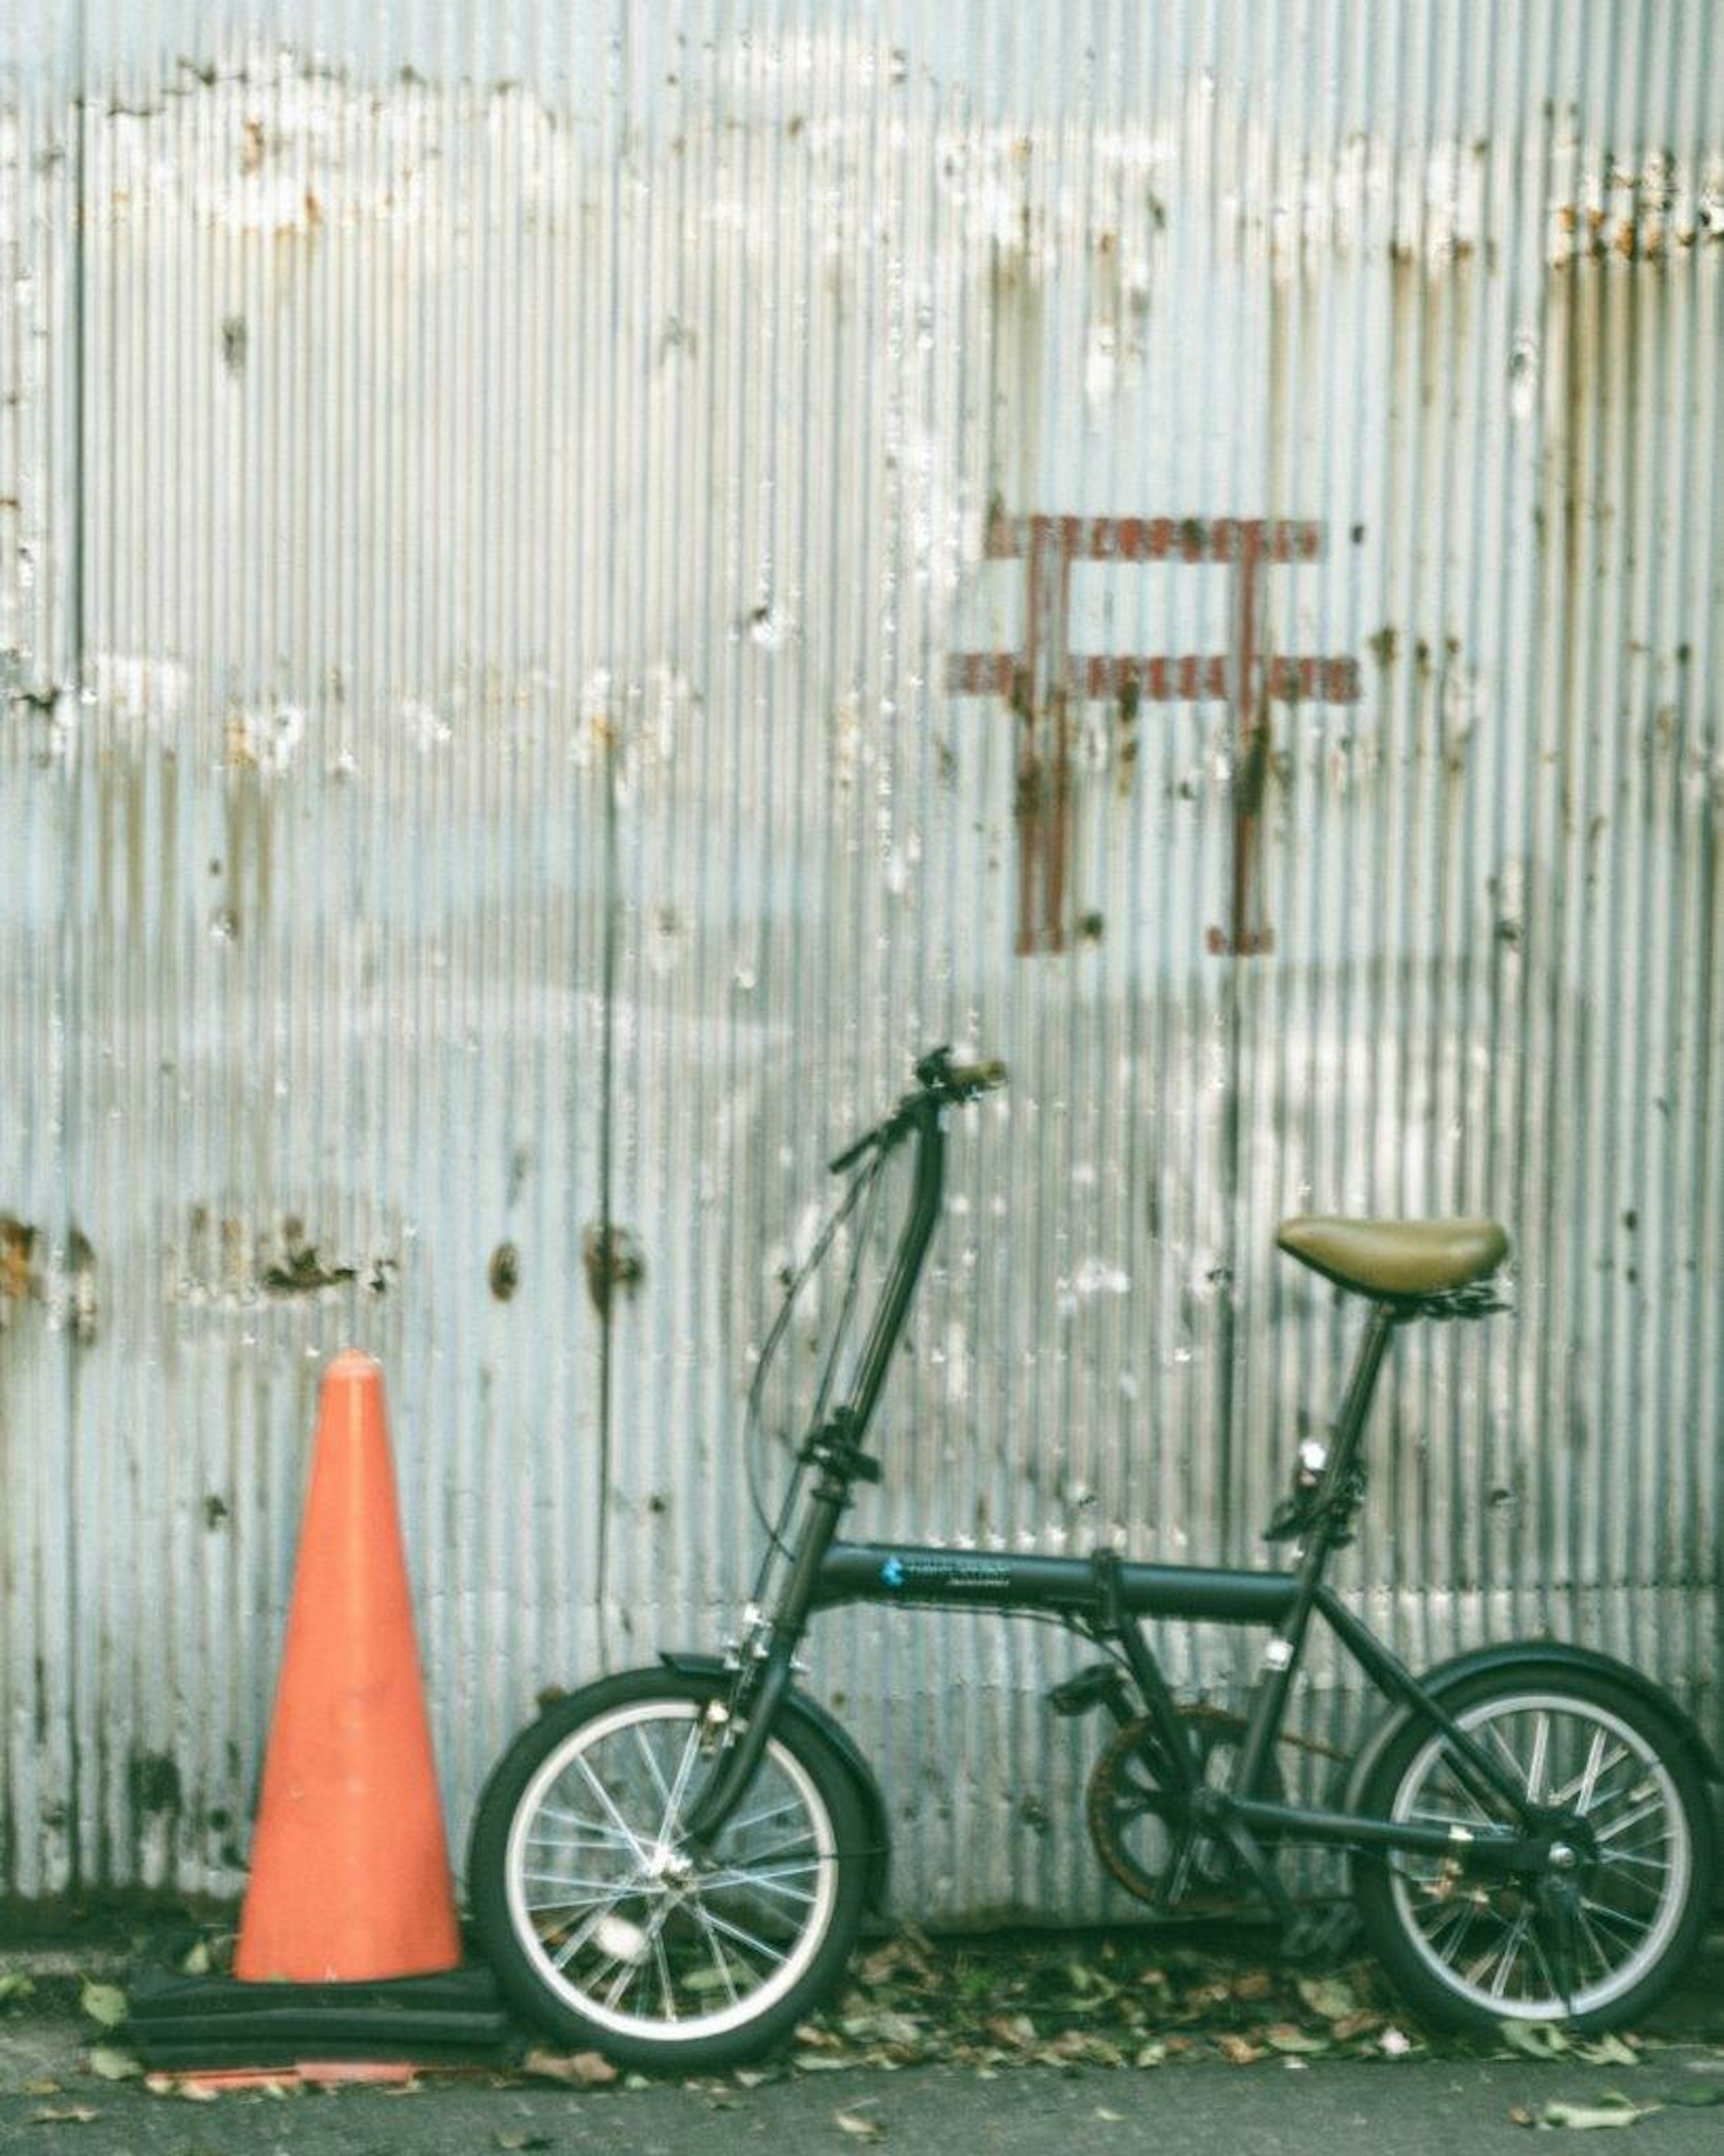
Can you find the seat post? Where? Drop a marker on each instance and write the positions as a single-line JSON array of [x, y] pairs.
[[1356, 1405], [1280, 1657]]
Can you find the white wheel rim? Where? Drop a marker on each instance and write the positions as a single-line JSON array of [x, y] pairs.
[[613, 1922], [1563, 1750]]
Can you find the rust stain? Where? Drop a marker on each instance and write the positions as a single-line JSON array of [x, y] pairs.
[[504, 1272], [615, 1263], [20, 1281]]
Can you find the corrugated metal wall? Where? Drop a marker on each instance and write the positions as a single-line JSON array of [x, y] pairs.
[[548, 645]]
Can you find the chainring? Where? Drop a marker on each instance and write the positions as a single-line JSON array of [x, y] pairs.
[[1135, 1820]]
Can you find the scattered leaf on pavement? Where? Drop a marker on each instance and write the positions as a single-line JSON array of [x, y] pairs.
[[1582, 2117], [1328, 1996], [104, 2003], [189, 2092], [1288, 2036], [579, 2069], [1607, 2050], [858, 2127], [112, 2065], [1536, 2040]]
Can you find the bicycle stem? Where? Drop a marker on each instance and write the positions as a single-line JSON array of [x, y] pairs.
[[836, 1449]]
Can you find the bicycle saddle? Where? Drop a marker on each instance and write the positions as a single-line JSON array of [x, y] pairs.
[[1396, 1257]]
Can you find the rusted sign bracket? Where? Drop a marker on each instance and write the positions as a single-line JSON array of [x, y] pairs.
[[1041, 683]]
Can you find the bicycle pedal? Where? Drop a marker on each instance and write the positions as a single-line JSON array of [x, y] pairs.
[[1319, 1934], [1099, 1684]]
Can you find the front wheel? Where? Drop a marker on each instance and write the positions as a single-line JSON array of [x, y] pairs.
[[607, 1929], [1473, 1948]]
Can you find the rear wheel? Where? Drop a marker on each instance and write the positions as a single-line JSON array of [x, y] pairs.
[[1473, 1947], [606, 1929]]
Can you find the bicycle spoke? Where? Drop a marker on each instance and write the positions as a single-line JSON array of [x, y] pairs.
[[1581, 1789], [773, 1812], [1466, 1911], [663, 1966], [1511, 1947], [680, 1782], [750, 1881], [721, 1959], [571, 1947], [1537, 1945], [596, 1888], [1475, 1974], [779, 1849], [1444, 1819], [1540, 1751], [743, 1939], [617, 1819], [586, 1826], [1615, 1856], [1636, 1930], [1654, 1805], [1605, 1963], [1516, 1770], [652, 1766], [634, 1966], [589, 1844]]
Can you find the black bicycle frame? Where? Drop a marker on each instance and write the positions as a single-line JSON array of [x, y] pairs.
[[1107, 1599]]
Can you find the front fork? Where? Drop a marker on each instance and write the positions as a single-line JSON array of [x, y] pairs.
[[742, 1723]]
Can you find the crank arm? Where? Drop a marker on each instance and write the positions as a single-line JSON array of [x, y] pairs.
[[1223, 1819]]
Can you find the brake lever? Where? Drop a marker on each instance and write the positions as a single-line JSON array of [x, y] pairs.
[[852, 1154]]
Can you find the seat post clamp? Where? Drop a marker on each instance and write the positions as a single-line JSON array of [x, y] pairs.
[[1105, 1570]]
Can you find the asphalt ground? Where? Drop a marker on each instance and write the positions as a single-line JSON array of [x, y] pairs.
[[1669, 2098]]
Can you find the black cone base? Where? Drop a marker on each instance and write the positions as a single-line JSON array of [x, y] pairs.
[[183, 2022]]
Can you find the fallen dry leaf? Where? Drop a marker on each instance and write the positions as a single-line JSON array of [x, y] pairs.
[[857, 2126], [577, 2069], [188, 2092], [104, 2003], [113, 2065], [1611, 2111]]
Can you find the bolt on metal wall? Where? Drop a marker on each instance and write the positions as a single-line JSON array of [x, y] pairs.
[[574, 584]]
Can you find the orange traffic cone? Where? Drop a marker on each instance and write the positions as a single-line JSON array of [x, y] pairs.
[[350, 1878], [348, 1947]]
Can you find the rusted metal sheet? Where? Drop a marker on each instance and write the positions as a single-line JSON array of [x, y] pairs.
[[575, 584]]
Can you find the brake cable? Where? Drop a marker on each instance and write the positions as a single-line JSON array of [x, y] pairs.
[[753, 1426]]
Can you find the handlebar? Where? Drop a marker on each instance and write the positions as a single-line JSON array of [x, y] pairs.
[[939, 1080]]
